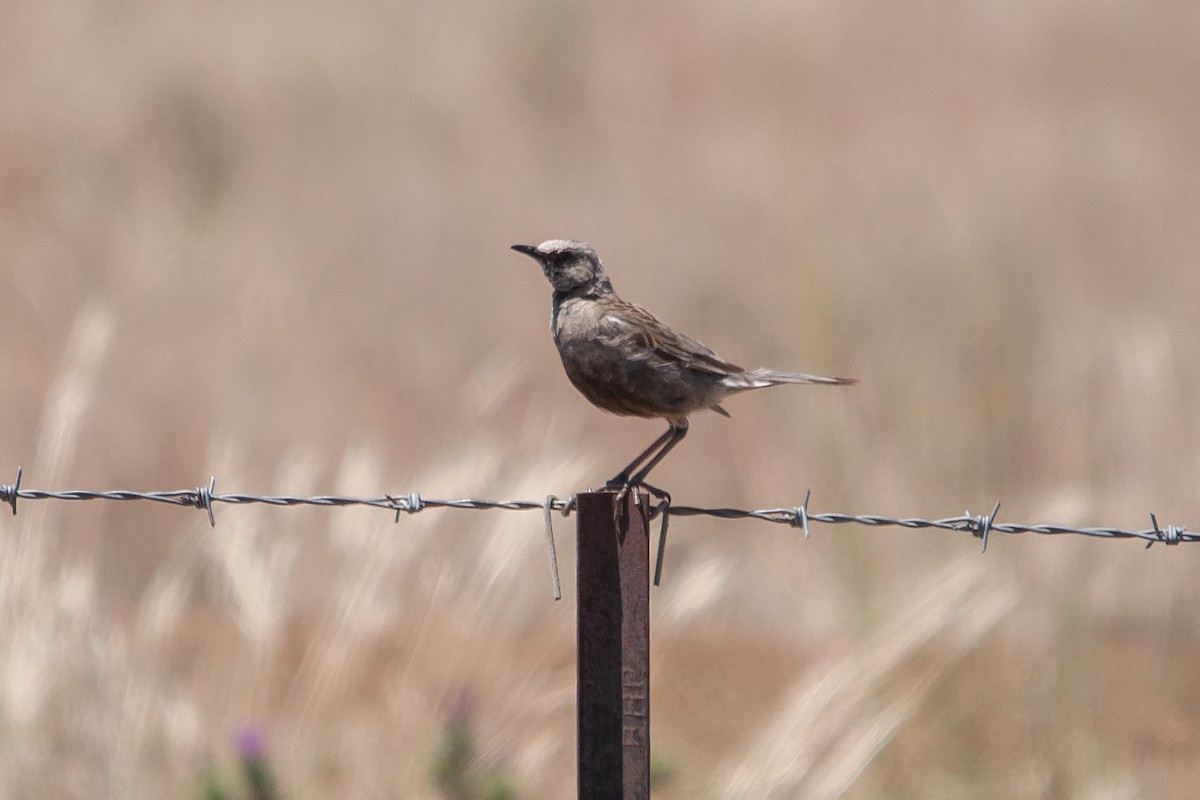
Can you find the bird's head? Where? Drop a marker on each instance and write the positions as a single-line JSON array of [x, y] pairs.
[[571, 267]]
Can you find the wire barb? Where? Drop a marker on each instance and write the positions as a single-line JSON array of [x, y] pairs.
[[981, 525], [202, 497], [9, 494], [1172, 534], [410, 503], [800, 514], [551, 500]]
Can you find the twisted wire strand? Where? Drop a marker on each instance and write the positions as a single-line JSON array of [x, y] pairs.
[[978, 525]]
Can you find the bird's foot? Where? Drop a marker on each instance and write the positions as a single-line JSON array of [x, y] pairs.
[[623, 483], [617, 481], [657, 493]]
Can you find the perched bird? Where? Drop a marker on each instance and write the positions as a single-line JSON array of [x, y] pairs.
[[625, 360]]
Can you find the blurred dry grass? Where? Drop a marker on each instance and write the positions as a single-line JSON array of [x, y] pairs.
[[268, 242]]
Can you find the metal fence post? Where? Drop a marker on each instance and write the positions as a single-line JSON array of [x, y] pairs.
[[613, 613]]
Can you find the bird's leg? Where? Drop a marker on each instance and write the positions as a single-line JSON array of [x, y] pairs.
[[666, 441], [622, 477], [678, 430]]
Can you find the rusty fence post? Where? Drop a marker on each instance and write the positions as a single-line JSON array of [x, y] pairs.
[[613, 617]]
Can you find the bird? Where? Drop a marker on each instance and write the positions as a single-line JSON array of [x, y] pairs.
[[626, 361]]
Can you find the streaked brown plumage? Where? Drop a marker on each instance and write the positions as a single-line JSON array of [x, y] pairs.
[[625, 360]]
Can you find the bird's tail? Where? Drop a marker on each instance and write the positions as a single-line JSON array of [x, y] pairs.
[[769, 377]]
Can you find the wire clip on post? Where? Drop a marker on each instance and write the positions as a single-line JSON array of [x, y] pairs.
[[661, 508], [547, 509]]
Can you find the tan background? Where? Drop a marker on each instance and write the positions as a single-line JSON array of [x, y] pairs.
[[268, 241]]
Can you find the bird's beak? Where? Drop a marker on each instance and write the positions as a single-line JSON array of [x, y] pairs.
[[528, 249]]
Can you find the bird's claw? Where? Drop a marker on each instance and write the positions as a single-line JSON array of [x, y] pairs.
[[660, 494], [623, 484], [618, 481]]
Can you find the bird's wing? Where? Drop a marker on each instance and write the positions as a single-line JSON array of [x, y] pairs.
[[625, 321]]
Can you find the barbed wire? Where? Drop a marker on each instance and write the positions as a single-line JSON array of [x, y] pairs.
[[799, 516]]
